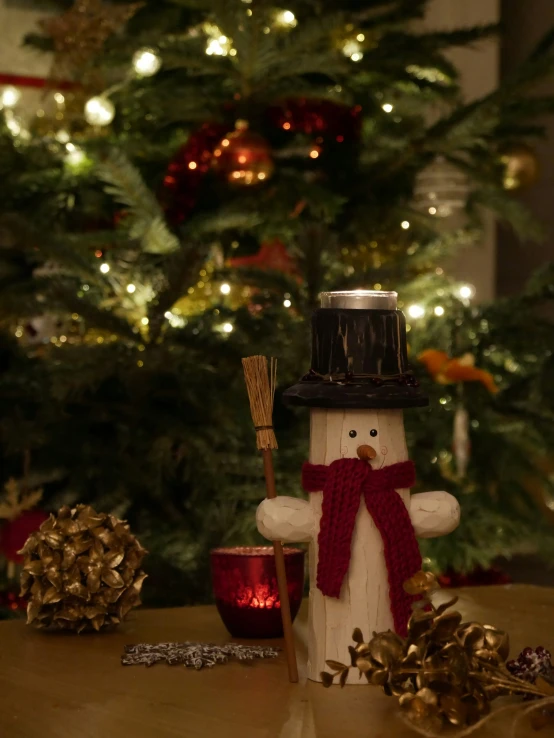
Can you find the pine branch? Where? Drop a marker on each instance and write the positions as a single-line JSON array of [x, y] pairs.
[[124, 182]]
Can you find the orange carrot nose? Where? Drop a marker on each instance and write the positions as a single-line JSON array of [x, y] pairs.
[[366, 453]]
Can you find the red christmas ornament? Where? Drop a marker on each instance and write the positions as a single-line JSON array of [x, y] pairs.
[[187, 169], [331, 122], [272, 255], [243, 157], [14, 533], [328, 119]]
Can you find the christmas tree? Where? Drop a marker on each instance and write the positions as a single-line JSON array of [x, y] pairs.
[[206, 169]]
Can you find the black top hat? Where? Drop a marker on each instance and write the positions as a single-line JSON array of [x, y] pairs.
[[359, 356]]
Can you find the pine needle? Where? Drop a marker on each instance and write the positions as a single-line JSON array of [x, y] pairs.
[[260, 385]]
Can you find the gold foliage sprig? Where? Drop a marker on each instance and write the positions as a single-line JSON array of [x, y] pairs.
[[445, 672], [17, 500]]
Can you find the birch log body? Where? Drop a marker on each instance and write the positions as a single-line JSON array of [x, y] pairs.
[[364, 599]]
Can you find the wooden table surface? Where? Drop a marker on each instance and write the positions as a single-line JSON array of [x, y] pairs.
[[67, 686]]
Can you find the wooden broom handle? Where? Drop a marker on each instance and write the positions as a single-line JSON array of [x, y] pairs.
[[281, 574]]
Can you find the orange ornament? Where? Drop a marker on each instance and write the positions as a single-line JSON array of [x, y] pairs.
[[243, 157], [445, 370]]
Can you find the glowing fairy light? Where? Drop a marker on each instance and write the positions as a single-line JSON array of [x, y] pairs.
[[405, 224], [225, 288], [439, 310], [131, 288], [146, 62], [466, 291], [104, 268], [387, 107], [286, 18], [99, 111], [353, 49], [227, 327], [10, 96], [416, 311], [217, 43]]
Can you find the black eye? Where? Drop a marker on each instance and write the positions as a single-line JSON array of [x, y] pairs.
[[352, 434], [373, 432]]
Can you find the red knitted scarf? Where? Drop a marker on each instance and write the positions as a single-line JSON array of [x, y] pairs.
[[343, 482]]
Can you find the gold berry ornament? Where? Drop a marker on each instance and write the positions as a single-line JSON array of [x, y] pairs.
[[521, 166], [81, 571], [243, 157]]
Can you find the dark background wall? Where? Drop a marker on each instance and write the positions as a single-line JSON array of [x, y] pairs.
[[524, 22]]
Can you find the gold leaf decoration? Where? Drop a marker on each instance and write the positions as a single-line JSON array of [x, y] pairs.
[[17, 500], [445, 673], [81, 571], [80, 32]]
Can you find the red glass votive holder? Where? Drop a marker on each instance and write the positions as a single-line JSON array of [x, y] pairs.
[[246, 592]]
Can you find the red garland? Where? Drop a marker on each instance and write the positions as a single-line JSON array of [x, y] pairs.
[[343, 482], [329, 120], [181, 183], [322, 117]]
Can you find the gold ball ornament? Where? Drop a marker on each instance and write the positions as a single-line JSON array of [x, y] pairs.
[[521, 166], [243, 157], [81, 571]]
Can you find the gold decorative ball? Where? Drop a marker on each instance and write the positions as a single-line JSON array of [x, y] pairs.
[[521, 166], [243, 157], [81, 571]]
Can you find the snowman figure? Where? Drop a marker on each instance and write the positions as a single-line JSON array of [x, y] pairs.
[[360, 519]]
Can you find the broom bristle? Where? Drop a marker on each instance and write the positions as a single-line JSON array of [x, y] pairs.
[[260, 385]]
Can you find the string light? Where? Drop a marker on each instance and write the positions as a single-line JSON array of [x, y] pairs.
[[314, 153], [405, 224], [144, 321], [439, 310], [104, 268], [387, 107], [353, 49], [13, 124], [131, 288], [146, 62], [75, 156], [286, 18], [99, 111], [432, 211], [287, 303], [227, 327], [466, 291], [175, 321], [62, 136], [225, 288], [217, 44], [360, 37], [10, 96], [416, 311], [192, 165]]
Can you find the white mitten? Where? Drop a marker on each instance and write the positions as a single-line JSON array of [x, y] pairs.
[[286, 519], [434, 514]]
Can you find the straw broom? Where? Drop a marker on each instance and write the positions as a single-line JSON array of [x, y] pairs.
[[261, 390]]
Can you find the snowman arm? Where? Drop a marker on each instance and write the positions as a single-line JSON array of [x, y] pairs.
[[286, 519], [434, 514]]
